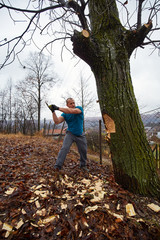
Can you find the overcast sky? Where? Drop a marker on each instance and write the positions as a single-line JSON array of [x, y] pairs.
[[145, 72]]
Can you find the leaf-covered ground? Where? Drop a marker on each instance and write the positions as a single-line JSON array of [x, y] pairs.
[[38, 203]]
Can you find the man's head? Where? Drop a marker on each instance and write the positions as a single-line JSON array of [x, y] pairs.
[[70, 103]]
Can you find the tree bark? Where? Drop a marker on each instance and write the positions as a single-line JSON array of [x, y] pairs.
[[107, 52]]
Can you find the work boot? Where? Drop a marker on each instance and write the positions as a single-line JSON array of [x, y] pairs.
[[84, 169]]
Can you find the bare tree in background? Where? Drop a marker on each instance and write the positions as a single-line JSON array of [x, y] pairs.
[[25, 107], [84, 94], [7, 107], [3, 112], [10, 103], [105, 43], [39, 81]]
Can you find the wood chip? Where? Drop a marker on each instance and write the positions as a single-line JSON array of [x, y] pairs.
[[23, 211], [89, 209], [154, 207], [37, 204], [130, 210], [19, 224], [41, 212], [10, 191], [7, 227], [116, 215], [47, 220]]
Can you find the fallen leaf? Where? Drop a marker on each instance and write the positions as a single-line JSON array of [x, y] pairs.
[[84, 222], [118, 220]]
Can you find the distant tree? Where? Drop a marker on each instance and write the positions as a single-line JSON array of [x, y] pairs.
[[25, 109], [10, 104], [7, 106], [3, 111], [39, 80], [84, 95]]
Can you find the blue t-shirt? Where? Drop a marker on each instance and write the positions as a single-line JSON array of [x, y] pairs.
[[74, 121]]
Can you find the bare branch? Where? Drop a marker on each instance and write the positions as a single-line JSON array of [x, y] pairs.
[[18, 38], [30, 11], [79, 11], [139, 14], [49, 43], [153, 42]]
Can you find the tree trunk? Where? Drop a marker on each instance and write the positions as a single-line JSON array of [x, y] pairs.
[[133, 162], [107, 52]]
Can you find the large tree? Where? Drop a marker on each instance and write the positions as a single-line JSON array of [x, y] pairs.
[[105, 44]]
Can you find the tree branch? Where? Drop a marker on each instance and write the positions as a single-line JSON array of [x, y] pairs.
[[30, 11], [155, 43], [139, 14], [19, 39], [84, 48], [79, 11], [135, 38]]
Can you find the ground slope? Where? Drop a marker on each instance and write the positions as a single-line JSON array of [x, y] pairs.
[[38, 203]]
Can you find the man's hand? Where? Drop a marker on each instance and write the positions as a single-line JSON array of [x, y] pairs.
[[53, 107]]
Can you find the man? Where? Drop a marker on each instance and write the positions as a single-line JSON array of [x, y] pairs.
[[74, 117]]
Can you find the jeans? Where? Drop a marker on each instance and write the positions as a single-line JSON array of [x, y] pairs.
[[81, 143]]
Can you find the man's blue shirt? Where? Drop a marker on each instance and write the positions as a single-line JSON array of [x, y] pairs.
[[74, 121]]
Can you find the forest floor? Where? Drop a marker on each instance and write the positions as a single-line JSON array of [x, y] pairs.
[[38, 203]]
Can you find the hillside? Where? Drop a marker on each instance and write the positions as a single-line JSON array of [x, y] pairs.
[[38, 203], [93, 122]]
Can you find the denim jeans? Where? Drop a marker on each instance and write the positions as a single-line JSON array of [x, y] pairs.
[[81, 143]]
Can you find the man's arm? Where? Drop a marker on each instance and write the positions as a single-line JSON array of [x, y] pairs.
[[56, 119], [70, 110], [60, 119]]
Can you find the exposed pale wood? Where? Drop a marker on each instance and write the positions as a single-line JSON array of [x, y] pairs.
[[109, 124], [85, 33]]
